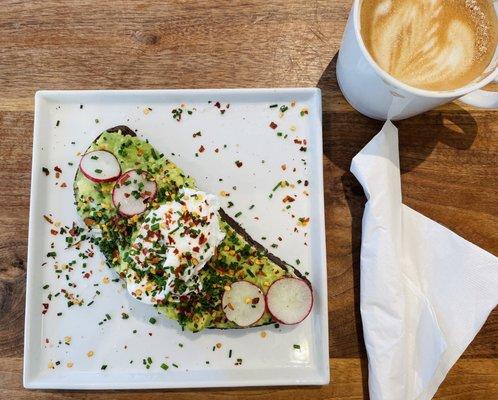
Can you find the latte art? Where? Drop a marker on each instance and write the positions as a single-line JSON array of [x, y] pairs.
[[430, 44]]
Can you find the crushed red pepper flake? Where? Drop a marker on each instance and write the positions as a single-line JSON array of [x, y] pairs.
[[288, 199], [238, 163], [303, 221], [202, 239], [273, 125], [201, 149]]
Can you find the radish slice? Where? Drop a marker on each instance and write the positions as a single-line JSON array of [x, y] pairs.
[[289, 300], [132, 192], [243, 303], [100, 166]]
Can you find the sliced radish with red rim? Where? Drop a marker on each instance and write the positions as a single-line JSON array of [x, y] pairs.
[[243, 303], [132, 192], [289, 300], [100, 166]]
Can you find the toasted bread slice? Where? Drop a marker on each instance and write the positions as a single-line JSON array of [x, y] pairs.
[[238, 256]]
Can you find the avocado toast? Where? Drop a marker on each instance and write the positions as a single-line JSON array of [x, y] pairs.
[[175, 247]]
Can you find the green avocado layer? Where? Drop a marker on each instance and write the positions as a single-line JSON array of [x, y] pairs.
[[234, 260]]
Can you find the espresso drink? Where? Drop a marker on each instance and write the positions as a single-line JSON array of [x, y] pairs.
[[430, 44]]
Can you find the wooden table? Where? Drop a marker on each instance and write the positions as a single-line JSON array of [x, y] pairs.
[[448, 156]]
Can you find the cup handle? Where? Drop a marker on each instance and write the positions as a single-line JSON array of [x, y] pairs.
[[481, 98]]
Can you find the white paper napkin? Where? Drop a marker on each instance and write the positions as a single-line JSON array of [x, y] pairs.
[[425, 291]]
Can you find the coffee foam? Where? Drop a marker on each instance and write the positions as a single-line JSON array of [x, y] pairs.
[[432, 44]]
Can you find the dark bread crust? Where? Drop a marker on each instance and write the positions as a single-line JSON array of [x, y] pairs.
[[125, 131]]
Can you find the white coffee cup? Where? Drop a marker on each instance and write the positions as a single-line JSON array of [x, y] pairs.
[[376, 94]]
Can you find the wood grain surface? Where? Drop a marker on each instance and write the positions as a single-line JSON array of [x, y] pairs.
[[448, 156]]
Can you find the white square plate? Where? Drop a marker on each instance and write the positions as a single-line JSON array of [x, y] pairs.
[[66, 347]]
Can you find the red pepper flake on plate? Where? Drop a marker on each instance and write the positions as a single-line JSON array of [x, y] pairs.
[[303, 221], [238, 163], [273, 125]]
